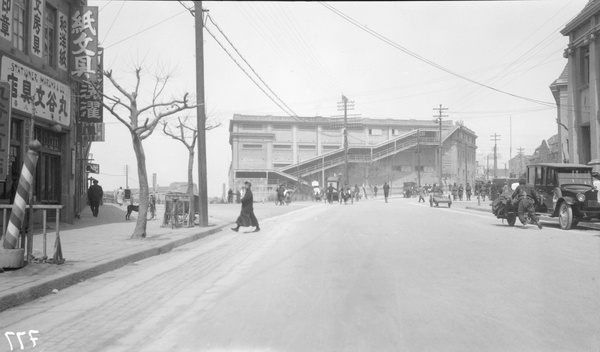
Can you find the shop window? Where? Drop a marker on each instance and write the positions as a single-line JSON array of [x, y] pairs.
[[50, 36], [48, 179], [18, 30]]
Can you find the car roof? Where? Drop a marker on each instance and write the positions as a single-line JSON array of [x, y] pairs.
[[565, 166]]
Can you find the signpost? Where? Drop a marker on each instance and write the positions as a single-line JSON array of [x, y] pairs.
[[92, 168]]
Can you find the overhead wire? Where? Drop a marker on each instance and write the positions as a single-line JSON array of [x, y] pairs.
[[293, 114], [113, 22], [423, 59]]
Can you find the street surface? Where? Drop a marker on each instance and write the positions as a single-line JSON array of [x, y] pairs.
[[370, 276]]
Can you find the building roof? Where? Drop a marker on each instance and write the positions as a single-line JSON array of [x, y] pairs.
[[589, 10]]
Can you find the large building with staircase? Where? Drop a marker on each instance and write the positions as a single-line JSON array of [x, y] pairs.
[[268, 150]]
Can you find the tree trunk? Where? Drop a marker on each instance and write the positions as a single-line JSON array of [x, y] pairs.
[[140, 226], [191, 188]]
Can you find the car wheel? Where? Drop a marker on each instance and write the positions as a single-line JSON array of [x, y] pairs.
[[565, 216], [511, 219]]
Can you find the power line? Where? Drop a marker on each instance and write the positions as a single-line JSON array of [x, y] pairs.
[[423, 59], [250, 66], [113, 22]]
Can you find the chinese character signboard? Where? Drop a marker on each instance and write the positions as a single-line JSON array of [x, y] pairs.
[[63, 40], [4, 128], [37, 35], [90, 107], [84, 42], [31, 89], [6, 19], [91, 132]]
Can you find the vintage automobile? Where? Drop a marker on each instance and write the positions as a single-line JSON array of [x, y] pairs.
[[439, 197], [567, 192]]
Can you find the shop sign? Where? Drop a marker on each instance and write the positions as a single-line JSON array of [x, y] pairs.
[[91, 132], [4, 128], [84, 42], [34, 90], [37, 18], [90, 104], [63, 40], [92, 168], [6, 19]]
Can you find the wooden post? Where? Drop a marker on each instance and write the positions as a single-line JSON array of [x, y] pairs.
[[201, 116]]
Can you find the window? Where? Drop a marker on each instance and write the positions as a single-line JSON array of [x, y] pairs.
[[281, 128], [375, 132], [282, 146], [247, 126], [50, 36], [585, 65], [395, 131], [306, 128], [331, 147], [252, 146], [19, 25], [307, 147]]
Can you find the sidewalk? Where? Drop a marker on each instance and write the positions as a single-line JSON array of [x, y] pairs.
[[95, 245]]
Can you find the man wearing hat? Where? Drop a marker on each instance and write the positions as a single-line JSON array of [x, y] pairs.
[[95, 194]]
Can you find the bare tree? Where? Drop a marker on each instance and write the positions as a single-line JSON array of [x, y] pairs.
[[141, 122], [188, 135]]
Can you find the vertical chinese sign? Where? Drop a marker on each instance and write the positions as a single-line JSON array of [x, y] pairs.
[[63, 40], [84, 43], [37, 18], [86, 64], [4, 128], [6, 19]]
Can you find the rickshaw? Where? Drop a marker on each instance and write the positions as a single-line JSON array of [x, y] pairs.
[[439, 197]]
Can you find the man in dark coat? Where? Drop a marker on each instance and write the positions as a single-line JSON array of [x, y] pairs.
[[386, 191], [468, 189], [527, 198], [95, 194], [247, 217], [330, 193]]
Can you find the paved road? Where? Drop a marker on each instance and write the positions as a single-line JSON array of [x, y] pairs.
[[365, 277]]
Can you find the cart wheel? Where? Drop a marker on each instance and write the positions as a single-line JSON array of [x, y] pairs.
[[511, 218]]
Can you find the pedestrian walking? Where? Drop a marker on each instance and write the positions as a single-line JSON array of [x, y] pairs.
[[120, 195], [460, 192], [527, 198], [247, 217], [375, 191], [386, 191], [454, 191], [95, 194], [422, 193], [230, 196], [468, 190]]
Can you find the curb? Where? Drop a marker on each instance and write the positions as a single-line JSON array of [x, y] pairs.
[[586, 224], [45, 287]]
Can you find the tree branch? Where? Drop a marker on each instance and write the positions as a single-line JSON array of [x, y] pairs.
[[108, 74]]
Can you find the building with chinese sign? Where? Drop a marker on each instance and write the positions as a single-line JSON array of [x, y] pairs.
[[47, 48], [268, 150]]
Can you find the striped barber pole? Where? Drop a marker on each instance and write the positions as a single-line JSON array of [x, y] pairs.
[[18, 208]]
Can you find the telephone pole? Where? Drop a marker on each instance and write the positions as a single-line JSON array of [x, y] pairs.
[[495, 137], [521, 161], [126, 176], [439, 119], [344, 105], [201, 116]]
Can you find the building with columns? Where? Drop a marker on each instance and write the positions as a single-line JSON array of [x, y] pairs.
[[268, 150], [577, 91]]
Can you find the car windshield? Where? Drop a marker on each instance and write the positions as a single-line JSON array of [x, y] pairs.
[[575, 177]]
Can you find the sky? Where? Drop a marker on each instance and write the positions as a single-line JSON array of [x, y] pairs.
[[397, 60]]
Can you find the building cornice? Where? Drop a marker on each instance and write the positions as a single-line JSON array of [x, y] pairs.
[[588, 11]]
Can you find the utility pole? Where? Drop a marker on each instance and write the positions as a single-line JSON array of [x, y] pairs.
[[495, 138], [521, 161], [344, 105], [201, 115], [126, 176], [439, 119], [418, 158]]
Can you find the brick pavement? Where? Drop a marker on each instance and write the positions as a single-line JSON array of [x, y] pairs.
[[95, 245]]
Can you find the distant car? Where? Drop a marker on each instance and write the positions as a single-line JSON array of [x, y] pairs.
[[567, 192]]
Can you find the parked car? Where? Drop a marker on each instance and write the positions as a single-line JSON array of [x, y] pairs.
[[567, 192]]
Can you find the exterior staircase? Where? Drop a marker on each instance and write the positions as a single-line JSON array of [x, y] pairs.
[[360, 154]]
